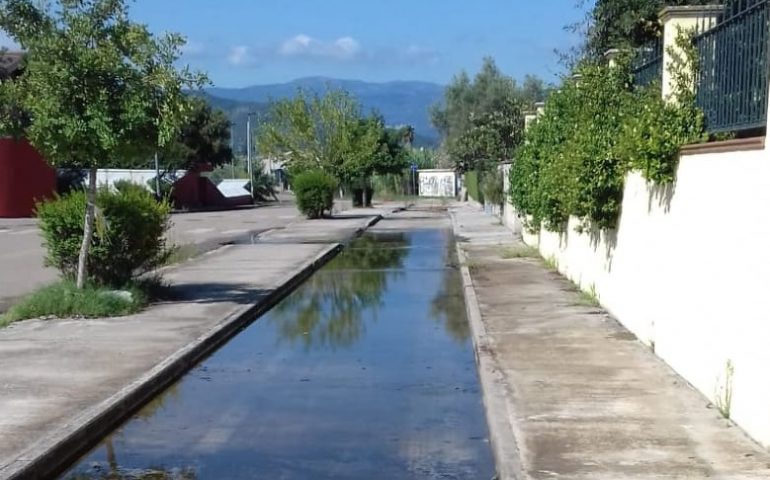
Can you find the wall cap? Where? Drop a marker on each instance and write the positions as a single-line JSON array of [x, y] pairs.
[[725, 146], [689, 11]]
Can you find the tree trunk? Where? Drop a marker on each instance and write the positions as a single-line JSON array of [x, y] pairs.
[[88, 229]]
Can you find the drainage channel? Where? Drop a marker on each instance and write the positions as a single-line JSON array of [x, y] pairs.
[[365, 371]]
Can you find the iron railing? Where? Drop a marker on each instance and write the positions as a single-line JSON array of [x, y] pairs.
[[732, 78], [647, 65]]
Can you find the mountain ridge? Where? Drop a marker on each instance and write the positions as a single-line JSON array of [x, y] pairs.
[[400, 102]]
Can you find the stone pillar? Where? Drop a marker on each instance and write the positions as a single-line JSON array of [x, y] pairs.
[[611, 56], [674, 20]]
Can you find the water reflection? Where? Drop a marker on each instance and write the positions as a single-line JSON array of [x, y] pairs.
[[328, 310], [448, 307]]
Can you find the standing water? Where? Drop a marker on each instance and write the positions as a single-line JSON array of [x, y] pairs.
[[364, 372]]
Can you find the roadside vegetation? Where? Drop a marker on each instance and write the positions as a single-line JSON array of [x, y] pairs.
[[99, 90], [329, 133]]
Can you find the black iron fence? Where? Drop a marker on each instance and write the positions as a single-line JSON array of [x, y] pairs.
[[732, 78], [647, 66], [733, 64]]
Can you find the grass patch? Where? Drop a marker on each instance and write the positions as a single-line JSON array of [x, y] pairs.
[[182, 253], [519, 251], [64, 300], [551, 263], [473, 266], [589, 297]]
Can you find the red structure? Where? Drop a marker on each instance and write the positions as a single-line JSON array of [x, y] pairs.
[[25, 178], [195, 191]]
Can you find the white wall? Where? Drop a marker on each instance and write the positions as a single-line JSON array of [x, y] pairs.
[[108, 177], [688, 271], [437, 183]]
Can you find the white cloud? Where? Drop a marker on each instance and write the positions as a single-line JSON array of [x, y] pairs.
[[239, 55], [343, 48], [193, 48]]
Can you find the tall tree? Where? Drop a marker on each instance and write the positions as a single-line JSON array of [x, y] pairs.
[[492, 137], [100, 90], [321, 132], [622, 24], [469, 104], [204, 139]]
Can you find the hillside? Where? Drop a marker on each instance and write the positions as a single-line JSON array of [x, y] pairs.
[[401, 102]]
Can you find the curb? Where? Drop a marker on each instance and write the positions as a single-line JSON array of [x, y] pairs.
[[500, 421], [54, 454]]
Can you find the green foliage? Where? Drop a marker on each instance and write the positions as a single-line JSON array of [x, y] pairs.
[[64, 300], [491, 138], [204, 139], [129, 237], [314, 191], [490, 104], [624, 24], [326, 133], [264, 184], [594, 130], [99, 89], [492, 187], [472, 184]]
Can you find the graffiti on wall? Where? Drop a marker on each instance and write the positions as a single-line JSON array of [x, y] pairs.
[[437, 183]]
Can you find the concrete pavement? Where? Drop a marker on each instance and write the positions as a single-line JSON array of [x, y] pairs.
[[21, 251], [65, 383], [572, 394]]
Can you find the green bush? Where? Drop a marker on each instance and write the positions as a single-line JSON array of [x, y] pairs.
[[314, 191], [472, 185], [128, 238], [492, 187]]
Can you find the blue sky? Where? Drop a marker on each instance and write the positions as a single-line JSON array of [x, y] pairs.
[[246, 42]]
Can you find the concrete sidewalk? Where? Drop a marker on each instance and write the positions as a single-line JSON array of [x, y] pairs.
[[65, 383], [572, 394]]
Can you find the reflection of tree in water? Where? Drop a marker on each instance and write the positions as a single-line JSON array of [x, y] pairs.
[[113, 471], [448, 306], [327, 309]]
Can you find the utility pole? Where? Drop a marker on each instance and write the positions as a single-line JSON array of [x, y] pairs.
[[232, 150], [248, 153]]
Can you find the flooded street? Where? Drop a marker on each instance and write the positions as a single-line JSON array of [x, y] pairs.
[[364, 372]]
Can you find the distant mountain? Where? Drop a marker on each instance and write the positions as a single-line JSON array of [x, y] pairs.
[[400, 102]]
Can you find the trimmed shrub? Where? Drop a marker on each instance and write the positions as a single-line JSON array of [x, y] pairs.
[[314, 191], [128, 239]]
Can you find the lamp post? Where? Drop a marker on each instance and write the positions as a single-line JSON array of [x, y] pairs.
[[232, 150], [248, 153]]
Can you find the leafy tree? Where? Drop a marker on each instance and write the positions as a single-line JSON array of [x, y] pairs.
[[313, 132], [99, 89], [622, 24], [330, 134], [479, 105], [204, 139], [491, 138]]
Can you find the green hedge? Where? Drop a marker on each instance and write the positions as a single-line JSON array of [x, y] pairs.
[[314, 191], [473, 186], [595, 129]]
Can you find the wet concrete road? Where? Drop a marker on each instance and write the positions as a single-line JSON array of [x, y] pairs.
[[366, 371]]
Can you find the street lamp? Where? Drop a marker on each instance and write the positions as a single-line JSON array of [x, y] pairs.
[[248, 153], [232, 150]]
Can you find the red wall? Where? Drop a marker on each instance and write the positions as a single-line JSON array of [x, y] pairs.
[[195, 191], [24, 178]]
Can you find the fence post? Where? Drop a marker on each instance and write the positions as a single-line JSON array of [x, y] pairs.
[[682, 18]]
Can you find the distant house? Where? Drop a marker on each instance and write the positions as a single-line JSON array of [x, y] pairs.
[[25, 177]]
